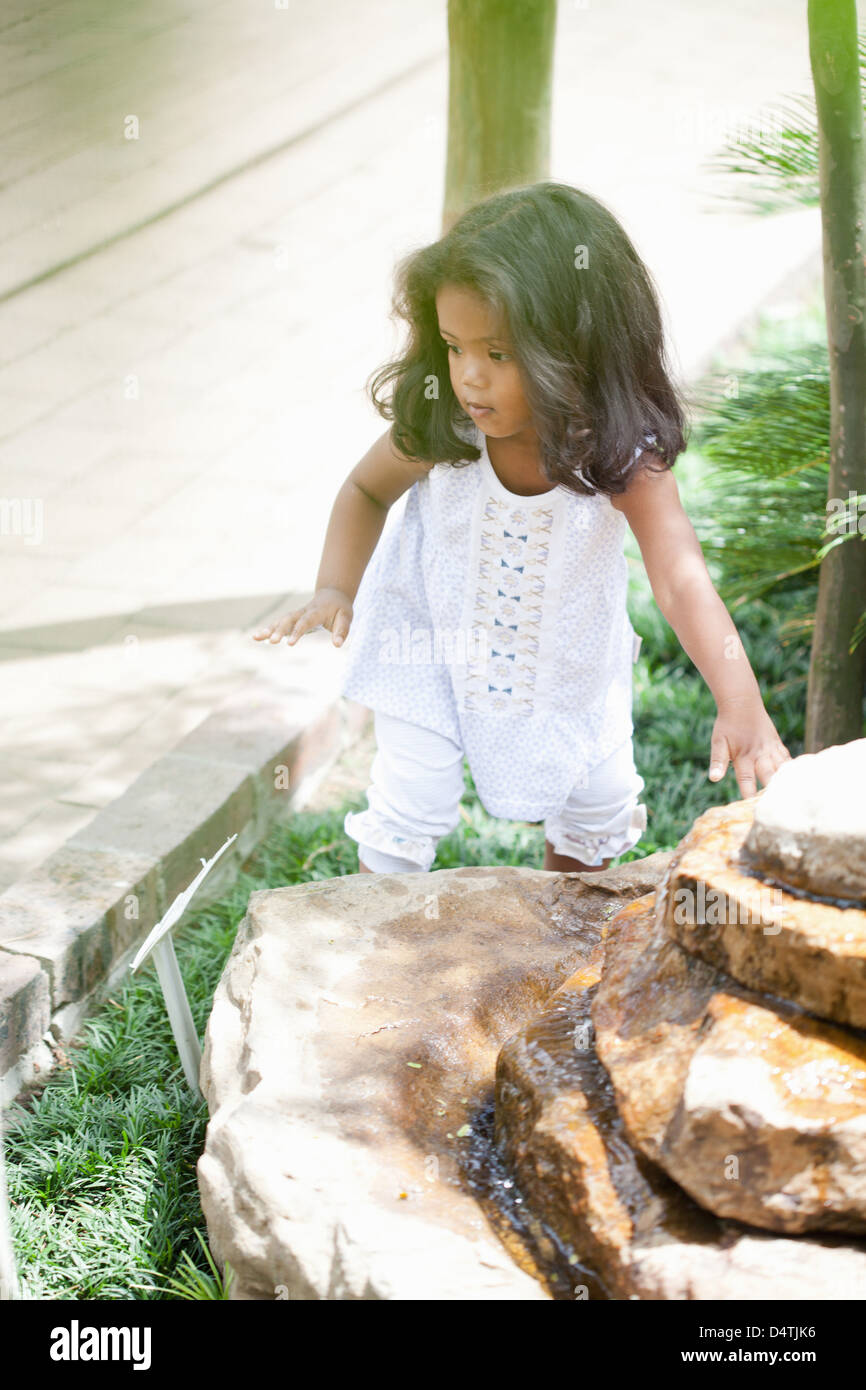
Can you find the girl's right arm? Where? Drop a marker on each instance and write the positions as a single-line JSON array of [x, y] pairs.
[[355, 525]]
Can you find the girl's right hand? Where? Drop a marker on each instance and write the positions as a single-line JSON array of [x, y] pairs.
[[328, 608]]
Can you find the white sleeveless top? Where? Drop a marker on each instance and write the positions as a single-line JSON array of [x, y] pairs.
[[500, 621]]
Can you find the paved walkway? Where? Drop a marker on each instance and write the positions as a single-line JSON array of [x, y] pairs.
[[187, 320]]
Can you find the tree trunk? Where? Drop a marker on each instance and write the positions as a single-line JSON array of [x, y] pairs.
[[499, 94], [837, 679]]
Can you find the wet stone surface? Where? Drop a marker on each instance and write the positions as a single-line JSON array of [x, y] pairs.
[[754, 1107], [632, 1231]]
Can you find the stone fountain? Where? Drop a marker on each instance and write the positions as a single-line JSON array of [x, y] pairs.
[[502, 1083]]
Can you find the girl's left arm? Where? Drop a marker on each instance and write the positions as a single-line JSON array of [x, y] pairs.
[[743, 733]]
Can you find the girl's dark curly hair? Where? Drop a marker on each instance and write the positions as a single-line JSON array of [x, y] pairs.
[[586, 332]]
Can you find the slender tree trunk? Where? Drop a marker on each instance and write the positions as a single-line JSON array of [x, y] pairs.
[[499, 94], [837, 679]]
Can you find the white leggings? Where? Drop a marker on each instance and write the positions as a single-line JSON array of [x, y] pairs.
[[417, 784]]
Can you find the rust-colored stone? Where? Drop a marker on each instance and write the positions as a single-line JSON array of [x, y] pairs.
[[755, 1108], [769, 939]]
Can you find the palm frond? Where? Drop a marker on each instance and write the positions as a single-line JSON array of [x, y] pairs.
[[762, 511], [762, 516], [859, 633], [778, 153]]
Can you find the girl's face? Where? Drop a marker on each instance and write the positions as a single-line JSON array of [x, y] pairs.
[[484, 373]]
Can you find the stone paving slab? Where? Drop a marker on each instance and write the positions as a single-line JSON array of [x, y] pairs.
[[268, 72]]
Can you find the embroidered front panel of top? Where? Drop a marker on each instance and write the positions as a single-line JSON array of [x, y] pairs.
[[513, 587]]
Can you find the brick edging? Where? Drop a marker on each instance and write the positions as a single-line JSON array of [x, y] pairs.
[[70, 927]]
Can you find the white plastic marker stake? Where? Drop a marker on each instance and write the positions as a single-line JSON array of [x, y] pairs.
[[177, 1005]]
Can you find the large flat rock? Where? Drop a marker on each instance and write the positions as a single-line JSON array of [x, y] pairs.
[[353, 1040], [755, 1108], [611, 1208]]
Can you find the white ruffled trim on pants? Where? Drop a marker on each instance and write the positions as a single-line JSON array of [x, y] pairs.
[[384, 850], [595, 848]]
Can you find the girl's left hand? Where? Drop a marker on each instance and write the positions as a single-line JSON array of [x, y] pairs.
[[745, 735]]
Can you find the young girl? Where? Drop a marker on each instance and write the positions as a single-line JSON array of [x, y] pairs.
[[533, 415]]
